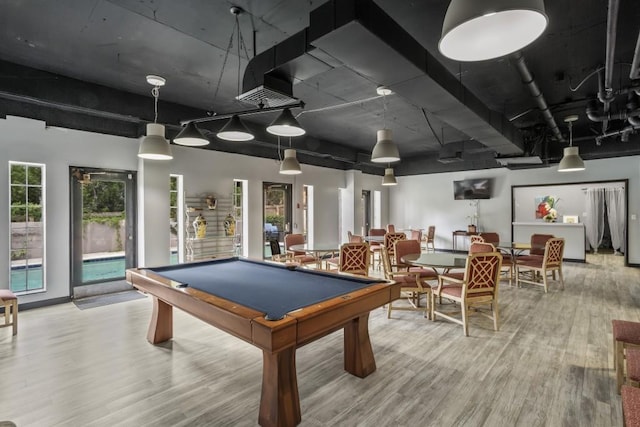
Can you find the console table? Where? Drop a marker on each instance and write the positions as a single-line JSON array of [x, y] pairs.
[[460, 233]]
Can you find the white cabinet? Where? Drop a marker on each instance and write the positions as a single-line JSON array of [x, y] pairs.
[[217, 241], [573, 234]]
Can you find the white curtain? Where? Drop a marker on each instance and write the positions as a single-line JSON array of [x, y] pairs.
[[615, 198], [594, 223]]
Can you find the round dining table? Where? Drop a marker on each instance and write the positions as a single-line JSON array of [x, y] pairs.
[[443, 261], [320, 251]]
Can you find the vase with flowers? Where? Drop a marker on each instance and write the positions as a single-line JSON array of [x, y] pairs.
[[473, 218], [546, 208]]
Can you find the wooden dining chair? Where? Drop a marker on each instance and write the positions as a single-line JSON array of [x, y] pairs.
[[490, 237], [374, 247], [478, 288], [536, 252], [354, 258], [540, 269], [390, 240], [391, 228], [9, 301], [333, 263], [412, 285], [416, 235], [430, 239], [299, 257]]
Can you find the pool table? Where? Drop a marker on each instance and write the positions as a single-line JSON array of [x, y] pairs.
[[277, 308]]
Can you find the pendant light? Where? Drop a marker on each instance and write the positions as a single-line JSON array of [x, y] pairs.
[[289, 165], [385, 150], [285, 125], [234, 130], [477, 30], [571, 160], [389, 178], [154, 146], [191, 136]]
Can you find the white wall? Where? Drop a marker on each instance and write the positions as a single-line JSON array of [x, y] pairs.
[[425, 200], [204, 172]]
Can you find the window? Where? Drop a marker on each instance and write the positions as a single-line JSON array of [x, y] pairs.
[[27, 226], [239, 196], [176, 223]]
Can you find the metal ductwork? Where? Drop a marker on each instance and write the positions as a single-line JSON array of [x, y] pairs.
[[359, 36], [530, 83], [606, 93]]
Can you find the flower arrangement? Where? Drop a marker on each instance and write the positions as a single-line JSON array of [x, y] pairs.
[[546, 208], [473, 218]]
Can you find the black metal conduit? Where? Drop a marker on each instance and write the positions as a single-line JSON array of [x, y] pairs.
[[529, 81]]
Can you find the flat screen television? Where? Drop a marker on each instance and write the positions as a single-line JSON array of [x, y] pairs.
[[470, 189]]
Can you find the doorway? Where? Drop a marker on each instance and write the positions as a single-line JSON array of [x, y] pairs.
[[103, 229], [277, 204], [366, 212]]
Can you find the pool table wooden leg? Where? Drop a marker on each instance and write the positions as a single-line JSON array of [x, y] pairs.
[[161, 325], [358, 354], [280, 402]]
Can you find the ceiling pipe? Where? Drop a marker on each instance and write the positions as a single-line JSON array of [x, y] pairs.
[[606, 93], [528, 80], [635, 64], [595, 116], [624, 132]]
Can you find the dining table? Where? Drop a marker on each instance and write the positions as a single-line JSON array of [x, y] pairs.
[[440, 262], [320, 251]]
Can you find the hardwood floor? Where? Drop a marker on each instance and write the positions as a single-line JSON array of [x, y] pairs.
[[549, 365]]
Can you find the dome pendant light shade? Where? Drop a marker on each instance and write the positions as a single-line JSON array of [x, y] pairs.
[[191, 136], [290, 165], [385, 151], [154, 146], [571, 160], [285, 125], [235, 130], [389, 178], [477, 30]]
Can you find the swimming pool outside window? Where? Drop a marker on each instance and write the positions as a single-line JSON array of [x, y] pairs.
[[27, 227]]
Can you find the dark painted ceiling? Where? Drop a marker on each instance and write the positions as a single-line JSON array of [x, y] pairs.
[[82, 64]]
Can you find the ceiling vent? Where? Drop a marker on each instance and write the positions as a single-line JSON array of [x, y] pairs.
[[451, 157], [521, 161], [274, 92]]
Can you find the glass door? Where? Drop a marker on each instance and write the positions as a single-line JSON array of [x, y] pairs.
[[102, 225], [276, 201]]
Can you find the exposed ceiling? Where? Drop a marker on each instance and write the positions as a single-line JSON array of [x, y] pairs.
[[82, 64]]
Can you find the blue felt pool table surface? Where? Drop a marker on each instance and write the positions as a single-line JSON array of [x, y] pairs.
[[267, 287]]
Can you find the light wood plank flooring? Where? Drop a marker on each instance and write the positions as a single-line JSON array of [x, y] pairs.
[[549, 365]]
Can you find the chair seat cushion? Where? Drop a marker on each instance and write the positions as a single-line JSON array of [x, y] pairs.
[[304, 259], [631, 405], [6, 294], [424, 272], [456, 291], [525, 258], [530, 263], [633, 364], [626, 331], [407, 281], [454, 275]]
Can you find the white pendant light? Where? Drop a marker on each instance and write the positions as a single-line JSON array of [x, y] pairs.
[[290, 165], [154, 146], [389, 178], [285, 125], [571, 160], [477, 30], [191, 136], [235, 130], [385, 150]]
